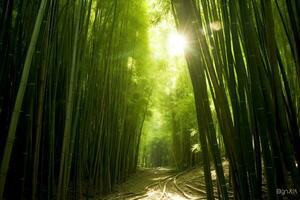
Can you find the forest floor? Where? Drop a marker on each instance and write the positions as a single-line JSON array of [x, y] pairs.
[[162, 184]]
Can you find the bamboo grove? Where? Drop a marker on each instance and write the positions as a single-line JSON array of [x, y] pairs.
[[72, 96], [245, 56], [77, 83]]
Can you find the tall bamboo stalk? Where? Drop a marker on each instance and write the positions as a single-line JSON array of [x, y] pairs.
[[18, 103]]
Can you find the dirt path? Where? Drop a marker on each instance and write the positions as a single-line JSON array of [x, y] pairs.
[[161, 184]]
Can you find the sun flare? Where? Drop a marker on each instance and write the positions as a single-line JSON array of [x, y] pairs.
[[176, 44]]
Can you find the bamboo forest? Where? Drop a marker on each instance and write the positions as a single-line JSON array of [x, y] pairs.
[[149, 99]]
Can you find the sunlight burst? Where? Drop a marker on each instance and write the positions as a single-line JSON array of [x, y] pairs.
[[176, 44]]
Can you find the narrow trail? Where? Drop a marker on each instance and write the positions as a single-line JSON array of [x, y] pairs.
[[161, 184]]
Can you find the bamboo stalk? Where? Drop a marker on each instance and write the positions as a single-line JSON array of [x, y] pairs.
[[18, 103]]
